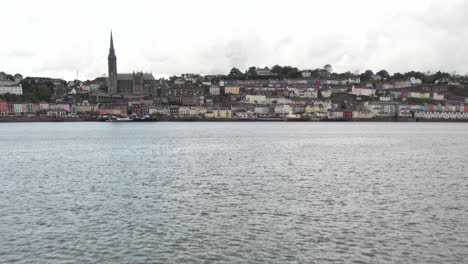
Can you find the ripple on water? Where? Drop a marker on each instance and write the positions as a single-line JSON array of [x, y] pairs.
[[233, 192]]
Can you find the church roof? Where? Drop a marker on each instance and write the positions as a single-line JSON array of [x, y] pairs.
[[129, 76]]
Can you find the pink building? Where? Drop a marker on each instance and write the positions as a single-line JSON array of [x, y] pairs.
[[3, 108], [347, 114]]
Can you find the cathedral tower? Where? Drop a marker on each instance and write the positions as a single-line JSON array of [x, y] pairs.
[[112, 66]]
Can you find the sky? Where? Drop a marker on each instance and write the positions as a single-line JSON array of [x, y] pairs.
[[70, 39]]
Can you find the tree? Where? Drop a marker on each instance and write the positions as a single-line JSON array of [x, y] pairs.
[[277, 69], [44, 93], [172, 79], [292, 72], [235, 72], [103, 87], [251, 71], [315, 73], [367, 75], [10, 77], [398, 76], [286, 71], [384, 74], [328, 68]]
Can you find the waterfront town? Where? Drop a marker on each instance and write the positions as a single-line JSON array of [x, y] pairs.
[[259, 93]]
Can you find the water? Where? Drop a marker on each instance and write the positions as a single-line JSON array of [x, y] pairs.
[[233, 193]]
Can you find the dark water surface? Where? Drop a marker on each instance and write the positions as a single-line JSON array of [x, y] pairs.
[[233, 193]]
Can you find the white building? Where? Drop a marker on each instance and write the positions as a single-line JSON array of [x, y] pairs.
[[43, 106], [11, 89], [18, 108], [355, 79], [306, 74], [415, 81], [263, 72], [282, 109], [310, 93], [188, 111], [215, 90], [263, 111], [385, 98], [438, 97], [326, 93]]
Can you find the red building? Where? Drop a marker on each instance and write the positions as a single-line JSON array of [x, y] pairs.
[[348, 114], [3, 108]]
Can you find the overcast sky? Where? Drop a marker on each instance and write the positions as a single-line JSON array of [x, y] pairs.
[[60, 38]]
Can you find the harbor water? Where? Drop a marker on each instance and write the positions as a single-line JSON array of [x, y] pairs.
[[207, 192]]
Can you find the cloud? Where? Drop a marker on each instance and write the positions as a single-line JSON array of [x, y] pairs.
[[21, 54], [211, 37]]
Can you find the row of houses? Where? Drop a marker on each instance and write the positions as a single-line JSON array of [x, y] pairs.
[[9, 108], [271, 92], [253, 106], [403, 95], [277, 83], [319, 109], [442, 115]]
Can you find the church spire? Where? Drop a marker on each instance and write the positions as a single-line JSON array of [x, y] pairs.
[[111, 50], [112, 67]]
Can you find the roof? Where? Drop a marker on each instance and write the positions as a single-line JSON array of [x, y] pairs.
[[129, 76]]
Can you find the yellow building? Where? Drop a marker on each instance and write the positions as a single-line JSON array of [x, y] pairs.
[[232, 90], [314, 108], [222, 113]]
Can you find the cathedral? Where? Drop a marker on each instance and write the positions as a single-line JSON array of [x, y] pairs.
[[137, 84]]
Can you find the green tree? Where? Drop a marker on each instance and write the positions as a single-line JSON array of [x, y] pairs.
[[384, 74], [292, 72], [367, 75], [235, 72], [103, 87], [277, 69], [172, 79], [398, 76], [328, 68], [10, 77], [251, 71], [44, 93]]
